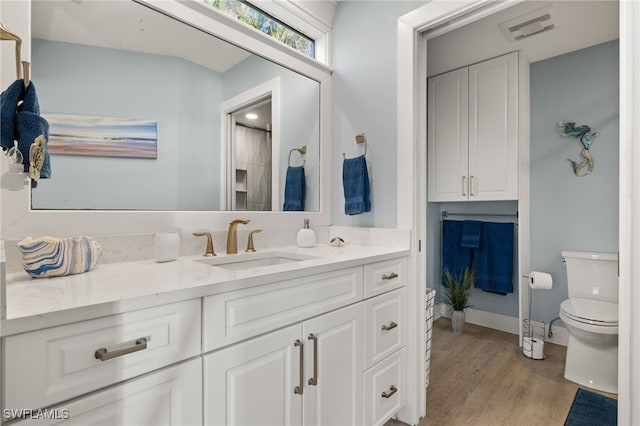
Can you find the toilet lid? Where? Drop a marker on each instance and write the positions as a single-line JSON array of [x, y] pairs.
[[605, 313]]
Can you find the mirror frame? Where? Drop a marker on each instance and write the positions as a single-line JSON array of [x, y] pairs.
[[18, 220]]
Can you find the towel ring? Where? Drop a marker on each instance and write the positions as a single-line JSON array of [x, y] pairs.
[[360, 138], [6, 34], [302, 150]]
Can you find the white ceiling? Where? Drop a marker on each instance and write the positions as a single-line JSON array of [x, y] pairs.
[[129, 26], [580, 24]]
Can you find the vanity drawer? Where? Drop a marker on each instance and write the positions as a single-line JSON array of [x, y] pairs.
[[384, 389], [381, 277], [385, 331], [231, 317], [52, 365], [166, 397]]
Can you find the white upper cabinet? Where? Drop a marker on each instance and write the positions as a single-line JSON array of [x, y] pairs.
[[473, 132]]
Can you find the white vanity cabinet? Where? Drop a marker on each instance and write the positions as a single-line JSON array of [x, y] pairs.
[[384, 356], [321, 348], [314, 367], [472, 148], [168, 397], [45, 367], [348, 331]]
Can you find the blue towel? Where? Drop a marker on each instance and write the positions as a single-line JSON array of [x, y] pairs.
[[23, 123], [455, 258], [493, 261], [355, 182], [294, 189], [8, 109], [471, 233]]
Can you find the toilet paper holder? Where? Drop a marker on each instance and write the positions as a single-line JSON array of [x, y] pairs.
[[533, 332]]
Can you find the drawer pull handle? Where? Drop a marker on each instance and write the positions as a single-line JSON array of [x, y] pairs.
[[103, 355], [390, 393], [390, 276], [314, 380], [300, 389], [391, 326]]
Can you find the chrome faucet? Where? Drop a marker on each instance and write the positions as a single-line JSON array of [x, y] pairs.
[[232, 235], [209, 250]]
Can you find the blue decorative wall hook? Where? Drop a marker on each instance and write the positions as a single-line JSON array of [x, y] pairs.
[[586, 139]]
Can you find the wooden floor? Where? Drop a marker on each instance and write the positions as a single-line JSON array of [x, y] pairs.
[[481, 378]]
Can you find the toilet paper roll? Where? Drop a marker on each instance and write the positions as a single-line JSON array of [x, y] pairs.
[[533, 348], [540, 280]]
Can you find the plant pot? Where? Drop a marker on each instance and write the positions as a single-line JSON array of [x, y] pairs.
[[457, 322]]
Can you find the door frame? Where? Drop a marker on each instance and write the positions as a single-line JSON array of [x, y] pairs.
[[436, 18], [270, 88]]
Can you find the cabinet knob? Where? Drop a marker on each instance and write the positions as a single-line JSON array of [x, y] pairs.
[[471, 194], [464, 178], [390, 276], [392, 390], [391, 326]]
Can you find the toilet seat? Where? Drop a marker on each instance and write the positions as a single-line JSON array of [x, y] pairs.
[[592, 312]]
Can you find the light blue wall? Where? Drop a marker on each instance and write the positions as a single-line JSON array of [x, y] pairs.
[[182, 97], [568, 212], [364, 100], [481, 300], [299, 115]]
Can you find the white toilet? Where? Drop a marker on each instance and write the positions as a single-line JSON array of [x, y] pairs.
[[591, 317]]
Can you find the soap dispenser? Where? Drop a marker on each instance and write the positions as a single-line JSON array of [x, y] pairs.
[[306, 237]]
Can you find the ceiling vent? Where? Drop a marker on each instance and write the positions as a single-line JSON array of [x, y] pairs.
[[536, 22]]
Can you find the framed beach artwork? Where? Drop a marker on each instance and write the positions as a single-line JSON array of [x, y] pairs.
[[102, 136]]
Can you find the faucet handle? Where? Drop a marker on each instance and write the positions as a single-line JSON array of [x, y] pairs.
[[209, 250], [250, 248]]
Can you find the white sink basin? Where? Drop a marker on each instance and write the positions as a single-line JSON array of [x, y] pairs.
[[236, 262]]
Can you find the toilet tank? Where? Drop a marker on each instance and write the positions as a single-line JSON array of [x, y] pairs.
[[592, 275]]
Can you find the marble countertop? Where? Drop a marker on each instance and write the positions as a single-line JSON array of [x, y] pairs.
[[120, 287]]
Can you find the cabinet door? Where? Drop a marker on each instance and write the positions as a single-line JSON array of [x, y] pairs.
[[447, 150], [334, 358], [493, 129], [252, 383], [170, 396]]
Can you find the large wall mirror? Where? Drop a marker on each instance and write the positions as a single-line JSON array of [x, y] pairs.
[[103, 67]]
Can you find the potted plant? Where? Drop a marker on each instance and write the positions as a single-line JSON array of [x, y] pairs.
[[457, 290]]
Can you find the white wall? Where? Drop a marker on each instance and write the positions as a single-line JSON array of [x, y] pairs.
[[364, 100]]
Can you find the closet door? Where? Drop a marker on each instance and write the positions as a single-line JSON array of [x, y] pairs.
[[493, 129], [447, 151]]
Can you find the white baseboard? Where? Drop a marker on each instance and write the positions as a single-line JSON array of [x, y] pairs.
[[503, 323]]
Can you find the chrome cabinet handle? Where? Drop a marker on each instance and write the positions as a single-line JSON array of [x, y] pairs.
[[103, 355], [314, 380], [300, 389], [471, 186], [392, 390], [391, 326], [390, 276], [463, 186]]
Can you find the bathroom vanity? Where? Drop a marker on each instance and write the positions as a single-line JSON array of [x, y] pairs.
[[316, 337]]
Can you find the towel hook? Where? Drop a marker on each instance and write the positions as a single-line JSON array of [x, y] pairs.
[[302, 150], [6, 34], [360, 138]]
